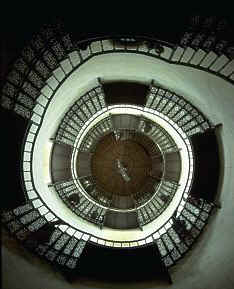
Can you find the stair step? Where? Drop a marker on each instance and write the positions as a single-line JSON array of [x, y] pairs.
[[188, 54], [175, 254], [42, 69], [35, 79], [66, 65], [58, 50], [36, 225], [67, 42], [167, 242], [59, 74], [96, 46], [51, 254], [72, 262], [219, 63], [228, 69], [70, 246], [74, 58], [21, 66], [161, 247], [232, 77], [190, 207], [7, 216], [177, 54], [85, 53], [107, 45], [168, 261], [79, 248], [50, 60], [52, 82], [96, 102], [143, 47], [47, 91], [91, 107], [133, 46], [210, 57], [190, 218], [198, 56], [61, 259], [61, 242], [55, 236], [23, 209], [166, 53], [182, 247], [162, 104]]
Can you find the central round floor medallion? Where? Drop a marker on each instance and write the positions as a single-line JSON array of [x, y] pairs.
[[120, 167]]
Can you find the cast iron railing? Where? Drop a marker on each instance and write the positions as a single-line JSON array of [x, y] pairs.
[[51, 57]]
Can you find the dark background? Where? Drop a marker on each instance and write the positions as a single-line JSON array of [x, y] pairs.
[[17, 29]]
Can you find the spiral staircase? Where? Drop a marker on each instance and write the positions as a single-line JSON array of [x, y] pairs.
[[165, 217]]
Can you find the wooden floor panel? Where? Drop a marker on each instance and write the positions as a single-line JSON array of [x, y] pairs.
[[132, 155]]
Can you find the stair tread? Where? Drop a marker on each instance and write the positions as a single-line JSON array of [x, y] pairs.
[[178, 53], [75, 58], [107, 45], [166, 53], [96, 46], [199, 55], [59, 74], [66, 65], [219, 63], [228, 69], [189, 52], [210, 57]]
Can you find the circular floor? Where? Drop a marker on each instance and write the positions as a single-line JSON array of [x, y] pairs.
[[120, 167]]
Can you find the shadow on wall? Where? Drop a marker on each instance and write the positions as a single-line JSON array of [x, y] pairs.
[[18, 251], [221, 164]]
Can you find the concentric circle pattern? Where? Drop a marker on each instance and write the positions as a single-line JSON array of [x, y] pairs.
[[121, 164], [120, 167], [118, 164]]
